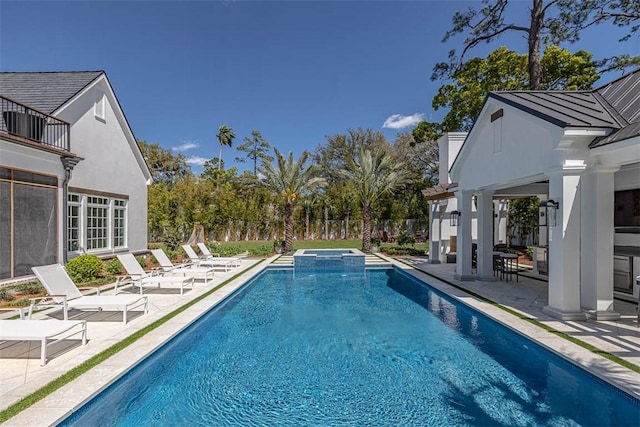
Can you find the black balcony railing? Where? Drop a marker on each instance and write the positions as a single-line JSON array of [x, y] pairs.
[[25, 122]]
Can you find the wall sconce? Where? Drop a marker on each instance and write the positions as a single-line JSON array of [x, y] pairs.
[[547, 213], [454, 218]]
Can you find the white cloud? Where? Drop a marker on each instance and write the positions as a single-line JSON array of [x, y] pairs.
[[187, 145], [196, 160], [397, 121]]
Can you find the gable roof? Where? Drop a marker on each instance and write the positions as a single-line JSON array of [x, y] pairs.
[[45, 91], [564, 109], [615, 105], [53, 91]]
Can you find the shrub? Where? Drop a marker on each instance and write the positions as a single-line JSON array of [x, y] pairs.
[[85, 268], [404, 239], [262, 250], [5, 295], [114, 266], [142, 261], [530, 252], [402, 251], [29, 288], [172, 239]]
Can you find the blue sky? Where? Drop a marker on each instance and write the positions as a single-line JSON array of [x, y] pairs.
[[296, 70]]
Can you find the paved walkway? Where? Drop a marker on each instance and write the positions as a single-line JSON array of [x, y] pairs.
[[21, 374]]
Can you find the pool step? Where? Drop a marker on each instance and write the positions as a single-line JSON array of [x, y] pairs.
[[284, 260], [372, 260]]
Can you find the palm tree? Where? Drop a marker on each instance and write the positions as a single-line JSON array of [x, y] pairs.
[[290, 180], [225, 136], [373, 175]]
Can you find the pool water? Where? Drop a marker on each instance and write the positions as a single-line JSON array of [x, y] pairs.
[[375, 348]]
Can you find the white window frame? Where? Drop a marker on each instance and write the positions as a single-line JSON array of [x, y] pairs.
[[119, 206], [100, 231], [77, 204], [112, 205]]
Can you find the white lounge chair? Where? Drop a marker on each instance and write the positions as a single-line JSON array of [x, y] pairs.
[[64, 293], [189, 270], [214, 262], [206, 253], [47, 331], [136, 276]]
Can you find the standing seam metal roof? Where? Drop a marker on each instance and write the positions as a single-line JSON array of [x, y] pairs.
[[615, 105]]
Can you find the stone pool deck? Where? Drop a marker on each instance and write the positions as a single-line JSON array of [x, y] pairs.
[[21, 373]]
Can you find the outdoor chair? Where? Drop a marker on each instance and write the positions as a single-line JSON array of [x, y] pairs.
[[235, 260], [48, 332], [136, 276], [64, 293], [214, 262], [187, 269]]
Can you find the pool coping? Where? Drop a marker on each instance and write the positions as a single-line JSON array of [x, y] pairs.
[[55, 407]]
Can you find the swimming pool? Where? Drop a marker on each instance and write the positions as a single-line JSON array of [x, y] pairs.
[[330, 348]]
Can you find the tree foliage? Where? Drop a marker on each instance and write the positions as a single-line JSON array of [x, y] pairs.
[[256, 148], [232, 206], [549, 22], [290, 180], [373, 175], [505, 69], [225, 137], [165, 167]]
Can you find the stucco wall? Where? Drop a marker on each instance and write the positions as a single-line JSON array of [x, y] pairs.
[[109, 163], [515, 148]]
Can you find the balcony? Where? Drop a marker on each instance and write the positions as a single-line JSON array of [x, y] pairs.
[[31, 126]]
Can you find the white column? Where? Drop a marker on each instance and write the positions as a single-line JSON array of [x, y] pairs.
[[434, 232], [596, 246], [485, 235], [564, 245], [463, 257], [500, 225]]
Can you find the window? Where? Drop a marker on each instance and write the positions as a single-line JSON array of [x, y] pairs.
[[119, 212], [73, 222], [97, 223], [627, 211]]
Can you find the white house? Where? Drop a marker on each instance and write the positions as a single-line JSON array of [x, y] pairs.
[[442, 203], [580, 152], [72, 179]]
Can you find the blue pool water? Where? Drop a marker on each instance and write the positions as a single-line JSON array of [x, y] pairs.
[[375, 348]]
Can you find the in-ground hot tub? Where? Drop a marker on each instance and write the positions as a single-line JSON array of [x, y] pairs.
[[348, 259]]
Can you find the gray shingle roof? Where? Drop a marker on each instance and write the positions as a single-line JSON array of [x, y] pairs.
[[45, 91]]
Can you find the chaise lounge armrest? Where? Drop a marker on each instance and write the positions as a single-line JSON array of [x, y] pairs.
[[38, 302]]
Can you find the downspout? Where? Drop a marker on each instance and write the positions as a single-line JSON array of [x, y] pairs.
[[69, 163]]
